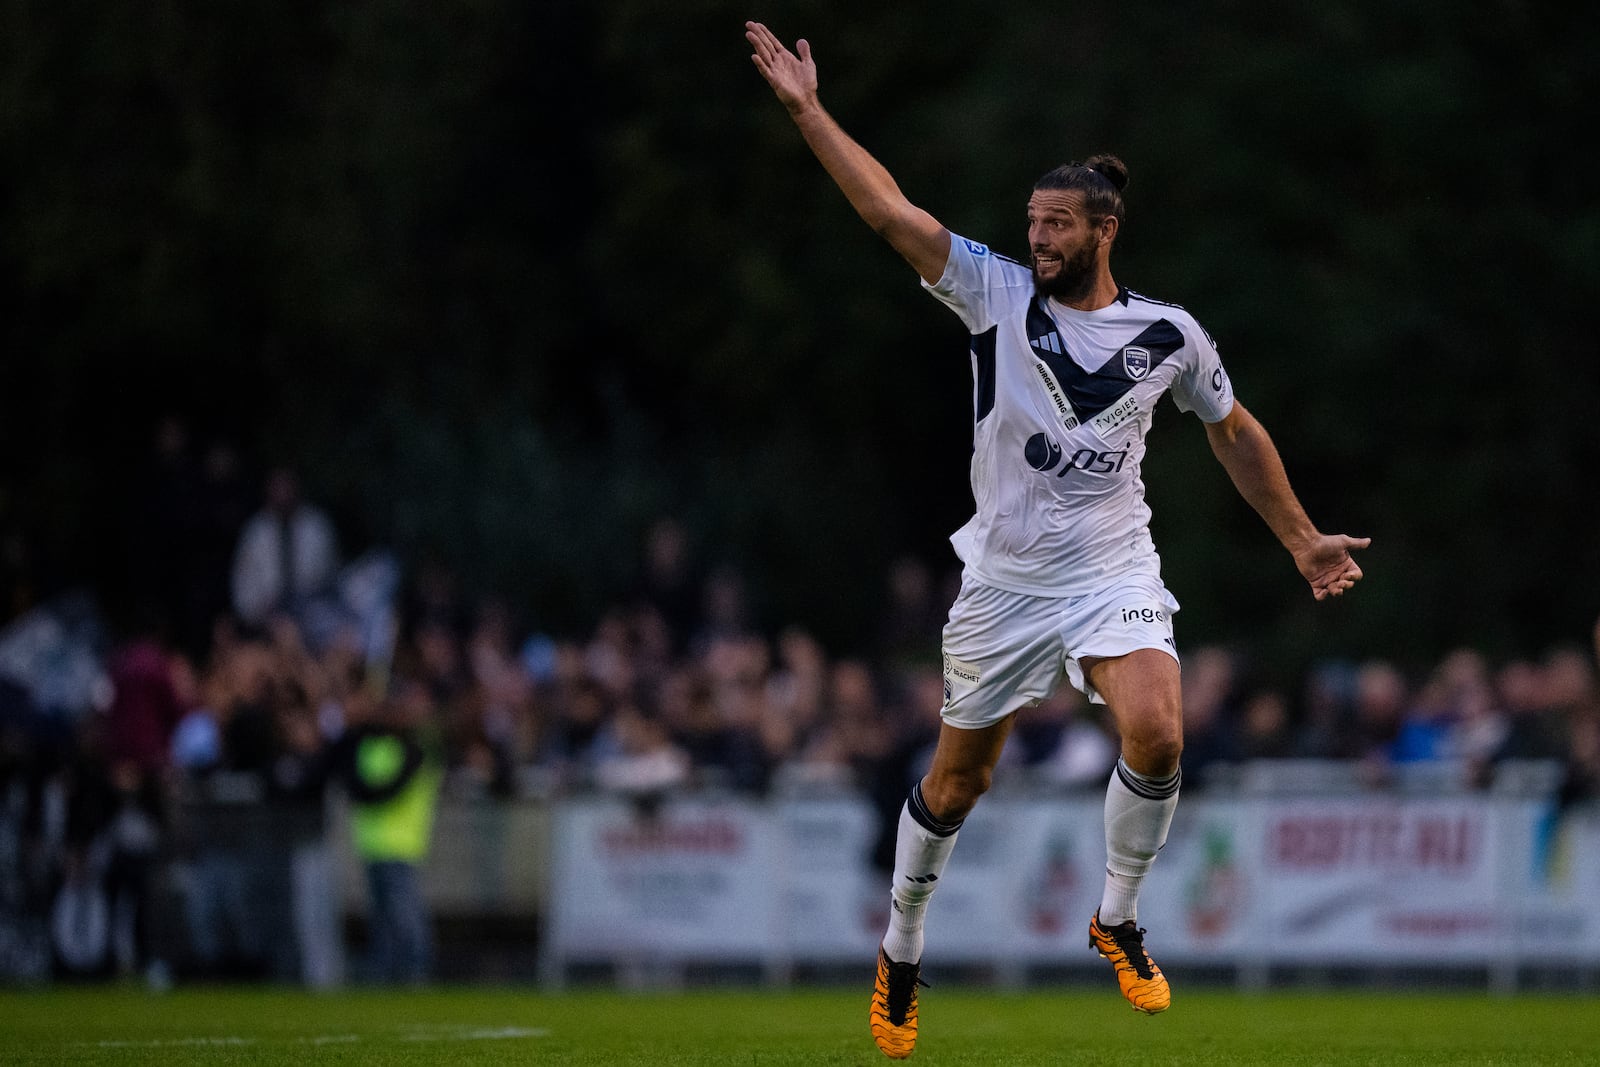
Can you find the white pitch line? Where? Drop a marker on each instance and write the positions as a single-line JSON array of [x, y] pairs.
[[177, 1042], [501, 1033]]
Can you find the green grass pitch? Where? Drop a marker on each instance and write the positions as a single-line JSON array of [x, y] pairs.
[[959, 1026]]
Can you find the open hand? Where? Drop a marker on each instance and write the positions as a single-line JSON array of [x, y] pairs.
[[792, 77], [1326, 564]]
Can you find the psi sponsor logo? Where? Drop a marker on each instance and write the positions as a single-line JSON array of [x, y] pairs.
[[1043, 454]]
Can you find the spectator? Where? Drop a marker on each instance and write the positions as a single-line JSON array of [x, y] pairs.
[[725, 609], [796, 690], [706, 718], [914, 732], [225, 938], [295, 787], [1210, 677], [144, 707], [1264, 731], [491, 723], [1535, 727], [908, 632], [668, 583], [582, 710], [1327, 729], [389, 765], [1086, 750], [114, 830], [1460, 697], [1569, 680], [1580, 780], [642, 762], [608, 658], [287, 556], [855, 714], [1381, 697]]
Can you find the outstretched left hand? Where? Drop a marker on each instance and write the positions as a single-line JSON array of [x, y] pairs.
[[1325, 563]]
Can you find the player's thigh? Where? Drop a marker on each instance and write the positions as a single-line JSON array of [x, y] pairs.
[[1144, 692]]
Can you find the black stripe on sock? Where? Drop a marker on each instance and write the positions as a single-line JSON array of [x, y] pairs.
[[919, 811], [1149, 788]]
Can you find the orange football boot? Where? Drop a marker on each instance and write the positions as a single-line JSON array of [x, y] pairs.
[[893, 1016], [1141, 980]]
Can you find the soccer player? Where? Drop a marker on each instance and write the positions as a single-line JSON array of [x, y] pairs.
[[1060, 576]]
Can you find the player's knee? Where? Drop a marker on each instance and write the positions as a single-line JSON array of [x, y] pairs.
[[951, 795], [1155, 750]]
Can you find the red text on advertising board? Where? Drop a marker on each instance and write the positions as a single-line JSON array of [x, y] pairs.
[[1385, 840]]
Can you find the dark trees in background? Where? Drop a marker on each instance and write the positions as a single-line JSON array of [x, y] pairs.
[[506, 282]]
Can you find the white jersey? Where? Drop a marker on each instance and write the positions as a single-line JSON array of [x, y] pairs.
[[1062, 401]]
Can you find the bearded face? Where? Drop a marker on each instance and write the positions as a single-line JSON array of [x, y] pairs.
[[1067, 275], [1065, 243]]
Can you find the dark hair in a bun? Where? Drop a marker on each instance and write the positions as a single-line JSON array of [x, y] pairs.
[[1115, 170], [1100, 178]]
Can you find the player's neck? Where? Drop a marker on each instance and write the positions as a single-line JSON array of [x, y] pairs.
[[1103, 293]]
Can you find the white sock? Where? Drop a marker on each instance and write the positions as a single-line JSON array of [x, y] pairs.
[[1138, 812], [922, 848]]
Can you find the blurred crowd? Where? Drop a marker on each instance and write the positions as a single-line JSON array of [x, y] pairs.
[[263, 648]]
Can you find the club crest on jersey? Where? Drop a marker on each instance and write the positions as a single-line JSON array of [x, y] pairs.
[[1136, 361]]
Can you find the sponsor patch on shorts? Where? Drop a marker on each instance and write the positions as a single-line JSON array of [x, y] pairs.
[[959, 676], [1148, 612]]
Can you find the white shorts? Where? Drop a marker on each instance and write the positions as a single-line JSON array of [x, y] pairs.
[[1004, 651]]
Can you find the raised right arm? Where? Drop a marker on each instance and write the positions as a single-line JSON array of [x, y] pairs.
[[919, 237]]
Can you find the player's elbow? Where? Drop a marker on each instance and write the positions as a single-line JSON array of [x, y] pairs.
[[885, 221]]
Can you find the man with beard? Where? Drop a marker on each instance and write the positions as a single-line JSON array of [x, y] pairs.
[[1061, 579]]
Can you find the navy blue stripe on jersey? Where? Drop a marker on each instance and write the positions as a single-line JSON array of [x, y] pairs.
[[1093, 392], [1151, 299], [983, 373]]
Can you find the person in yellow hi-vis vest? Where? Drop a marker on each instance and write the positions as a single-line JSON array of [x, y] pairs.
[[392, 772]]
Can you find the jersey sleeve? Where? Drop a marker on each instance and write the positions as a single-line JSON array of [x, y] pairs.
[[980, 286], [1203, 386]]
